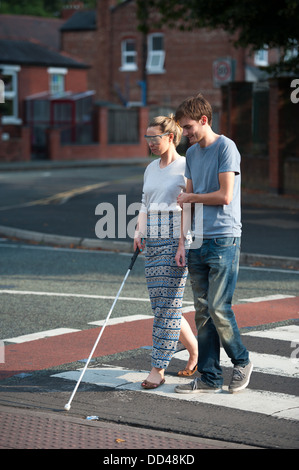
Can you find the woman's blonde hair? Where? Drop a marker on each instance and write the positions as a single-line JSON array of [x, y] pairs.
[[168, 124]]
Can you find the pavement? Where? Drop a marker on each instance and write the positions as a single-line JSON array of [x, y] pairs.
[[44, 427]]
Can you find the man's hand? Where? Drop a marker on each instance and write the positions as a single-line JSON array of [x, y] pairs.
[[183, 198]]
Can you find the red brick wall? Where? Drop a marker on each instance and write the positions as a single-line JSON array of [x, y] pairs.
[[101, 149], [17, 148], [188, 61], [82, 47], [76, 80], [283, 137]]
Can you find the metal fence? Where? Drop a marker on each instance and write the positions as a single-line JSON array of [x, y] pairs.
[[123, 126]]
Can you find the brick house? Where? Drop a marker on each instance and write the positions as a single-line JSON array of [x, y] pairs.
[[48, 110], [31, 67], [175, 64], [165, 66], [133, 74]]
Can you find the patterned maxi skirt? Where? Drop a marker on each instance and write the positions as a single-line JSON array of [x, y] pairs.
[[166, 283]]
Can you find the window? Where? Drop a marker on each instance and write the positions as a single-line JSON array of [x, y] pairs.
[[291, 52], [9, 109], [128, 55], [261, 57], [156, 54], [57, 80]]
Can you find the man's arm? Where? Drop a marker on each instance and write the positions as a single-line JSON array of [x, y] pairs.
[[223, 196], [180, 257]]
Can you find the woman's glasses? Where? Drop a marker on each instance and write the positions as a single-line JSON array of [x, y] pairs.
[[155, 139]]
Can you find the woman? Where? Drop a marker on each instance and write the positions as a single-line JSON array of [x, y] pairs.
[[159, 228]]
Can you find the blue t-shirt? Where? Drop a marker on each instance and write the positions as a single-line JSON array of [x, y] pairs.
[[203, 166]]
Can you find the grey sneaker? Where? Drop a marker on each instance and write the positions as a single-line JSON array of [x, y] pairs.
[[196, 386], [240, 378]]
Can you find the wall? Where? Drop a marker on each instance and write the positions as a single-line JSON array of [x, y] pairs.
[[284, 137], [101, 149], [18, 147], [273, 164]]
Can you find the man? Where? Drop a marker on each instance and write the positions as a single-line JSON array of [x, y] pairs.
[[213, 179]]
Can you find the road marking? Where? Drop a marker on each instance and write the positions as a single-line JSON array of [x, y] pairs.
[[267, 297], [65, 294], [262, 363], [116, 321], [283, 333], [280, 405], [59, 198], [269, 403], [86, 296], [40, 335], [274, 270]]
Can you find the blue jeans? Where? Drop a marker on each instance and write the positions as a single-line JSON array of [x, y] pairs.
[[213, 272]]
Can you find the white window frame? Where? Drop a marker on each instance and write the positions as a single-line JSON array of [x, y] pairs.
[[155, 58], [56, 71], [125, 65], [12, 94], [261, 57]]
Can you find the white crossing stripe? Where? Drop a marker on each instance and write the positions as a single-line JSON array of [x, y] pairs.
[[40, 335], [272, 404], [116, 321], [66, 294], [267, 298], [263, 363], [84, 296], [282, 333], [266, 363], [280, 405]]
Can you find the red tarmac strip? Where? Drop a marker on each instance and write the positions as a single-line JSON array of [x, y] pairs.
[[63, 349]]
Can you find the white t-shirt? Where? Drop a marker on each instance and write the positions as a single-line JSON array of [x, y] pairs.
[[162, 186]]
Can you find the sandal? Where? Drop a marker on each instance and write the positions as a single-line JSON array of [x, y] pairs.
[[187, 372], [150, 385]]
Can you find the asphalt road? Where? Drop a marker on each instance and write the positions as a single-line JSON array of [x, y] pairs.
[[54, 270], [45, 288], [64, 202]]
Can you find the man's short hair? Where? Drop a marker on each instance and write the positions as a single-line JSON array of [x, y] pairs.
[[194, 108]]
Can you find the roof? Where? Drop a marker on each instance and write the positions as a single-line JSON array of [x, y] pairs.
[[27, 53], [84, 20], [41, 30]]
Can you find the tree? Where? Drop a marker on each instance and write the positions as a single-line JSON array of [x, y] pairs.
[[251, 23]]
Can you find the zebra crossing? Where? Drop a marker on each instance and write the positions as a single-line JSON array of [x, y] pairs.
[[268, 402]]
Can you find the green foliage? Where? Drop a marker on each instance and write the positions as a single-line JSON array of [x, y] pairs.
[[37, 7]]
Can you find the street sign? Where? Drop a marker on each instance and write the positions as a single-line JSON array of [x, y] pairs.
[[223, 71]]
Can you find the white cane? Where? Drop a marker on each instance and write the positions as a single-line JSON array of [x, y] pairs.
[[134, 257]]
